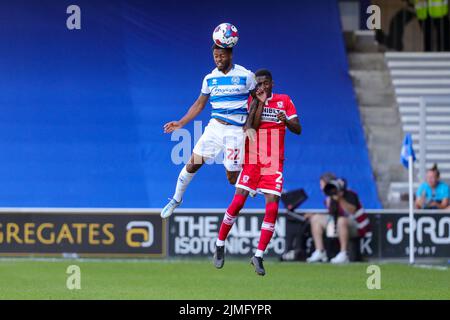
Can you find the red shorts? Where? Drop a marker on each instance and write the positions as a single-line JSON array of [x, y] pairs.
[[253, 179]]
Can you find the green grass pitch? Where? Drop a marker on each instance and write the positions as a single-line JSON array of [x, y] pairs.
[[198, 279]]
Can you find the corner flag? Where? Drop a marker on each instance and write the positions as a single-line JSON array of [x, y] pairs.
[[407, 150], [407, 158]]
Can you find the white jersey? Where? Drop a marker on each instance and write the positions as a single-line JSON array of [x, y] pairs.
[[228, 93]]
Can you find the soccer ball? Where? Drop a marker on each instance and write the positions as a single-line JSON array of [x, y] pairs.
[[225, 35]]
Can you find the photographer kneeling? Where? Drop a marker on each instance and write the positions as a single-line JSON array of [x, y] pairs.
[[345, 218]]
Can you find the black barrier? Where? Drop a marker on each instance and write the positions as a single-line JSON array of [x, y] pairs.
[[432, 236], [192, 233], [79, 234]]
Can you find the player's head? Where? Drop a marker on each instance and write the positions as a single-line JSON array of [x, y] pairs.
[[326, 178], [264, 80], [433, 175], [223, 57]]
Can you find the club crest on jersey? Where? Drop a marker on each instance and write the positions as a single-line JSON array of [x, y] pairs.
[[280, 104], [214, 81], [235, 80], [245, 178]]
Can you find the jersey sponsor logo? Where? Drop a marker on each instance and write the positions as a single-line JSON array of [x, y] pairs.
[[270, 115], [224, 91]]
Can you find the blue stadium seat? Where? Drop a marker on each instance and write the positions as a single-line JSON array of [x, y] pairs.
[[82, 110]]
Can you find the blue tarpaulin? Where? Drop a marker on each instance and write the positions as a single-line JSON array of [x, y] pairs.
[[82, 111]]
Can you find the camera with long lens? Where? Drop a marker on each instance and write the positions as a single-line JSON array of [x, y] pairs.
[[333, 187]]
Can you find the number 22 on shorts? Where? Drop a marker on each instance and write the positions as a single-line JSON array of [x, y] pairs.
[[233, 154]]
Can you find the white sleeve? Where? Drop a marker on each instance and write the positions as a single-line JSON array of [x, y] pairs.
[[205, 89], [251, 81]]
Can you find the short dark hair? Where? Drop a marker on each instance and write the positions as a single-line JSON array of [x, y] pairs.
[[263, 73], [215, 46], [435, 169], [328, 176]]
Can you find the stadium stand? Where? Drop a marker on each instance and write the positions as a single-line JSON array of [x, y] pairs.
[[83, 110], [380, 117], [416, 76]]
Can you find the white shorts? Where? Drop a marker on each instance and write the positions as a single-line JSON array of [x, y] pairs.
[[220, 137]]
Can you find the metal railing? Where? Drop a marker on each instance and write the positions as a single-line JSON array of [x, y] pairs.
[[425, 142]]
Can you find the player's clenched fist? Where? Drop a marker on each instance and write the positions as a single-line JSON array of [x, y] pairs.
[[282, 116], [172, 126]]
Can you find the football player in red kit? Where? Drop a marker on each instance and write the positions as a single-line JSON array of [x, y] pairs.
[[262, 171]]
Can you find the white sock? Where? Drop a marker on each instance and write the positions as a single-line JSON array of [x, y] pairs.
[[183, 181], [259, 253], [220, 243]]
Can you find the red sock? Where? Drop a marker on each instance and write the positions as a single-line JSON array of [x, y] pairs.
[[230, 216], [268, 225]]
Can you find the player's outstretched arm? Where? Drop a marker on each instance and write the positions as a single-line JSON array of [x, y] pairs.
[[193, 111]]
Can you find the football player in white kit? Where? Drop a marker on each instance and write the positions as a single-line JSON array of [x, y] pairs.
[[227, 88]]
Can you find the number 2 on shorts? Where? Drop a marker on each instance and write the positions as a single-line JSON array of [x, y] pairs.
[[280, 177]]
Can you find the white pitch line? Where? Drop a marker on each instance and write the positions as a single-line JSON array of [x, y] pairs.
[[427, 266]]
